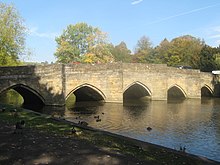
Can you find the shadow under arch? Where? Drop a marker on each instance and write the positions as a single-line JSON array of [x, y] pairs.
[[135, 91], [216, 92], [87, 92], [206, 91], [30, 96], [176, 92]]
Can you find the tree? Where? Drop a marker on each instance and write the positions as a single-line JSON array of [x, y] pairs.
[[121, 52], [80, 41], [185, 50], [162, 52], [207, 59], [12, 35], [143, 44], [217, 57], [99, 53], [143, 51]]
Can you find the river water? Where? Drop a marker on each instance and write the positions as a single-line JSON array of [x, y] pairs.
[[192, 123]]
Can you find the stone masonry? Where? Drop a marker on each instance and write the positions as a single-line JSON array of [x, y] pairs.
[[53, 84]]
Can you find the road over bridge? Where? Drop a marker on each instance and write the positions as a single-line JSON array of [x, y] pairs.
[[113, 82]]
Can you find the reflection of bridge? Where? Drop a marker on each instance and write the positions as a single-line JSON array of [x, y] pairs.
[[53, 84]]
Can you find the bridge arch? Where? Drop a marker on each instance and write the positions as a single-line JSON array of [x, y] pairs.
[[175, 91], [206, 91], [87, 92], [30, 96], [136, 90]]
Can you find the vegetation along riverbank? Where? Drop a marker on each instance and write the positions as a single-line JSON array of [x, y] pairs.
[[43, 139]]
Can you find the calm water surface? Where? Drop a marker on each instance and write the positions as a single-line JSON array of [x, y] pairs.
[[192, 123]]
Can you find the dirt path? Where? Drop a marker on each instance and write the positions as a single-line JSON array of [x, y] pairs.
[[34, 147]]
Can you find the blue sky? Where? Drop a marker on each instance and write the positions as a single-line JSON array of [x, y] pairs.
[[122, 20]]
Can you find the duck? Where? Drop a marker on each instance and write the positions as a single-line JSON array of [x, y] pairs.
[[73, 130], [19, 126], [96, 117], [98, 120], [3, 109], [149, 128], [77, 117], [182, 149], [83, 123]]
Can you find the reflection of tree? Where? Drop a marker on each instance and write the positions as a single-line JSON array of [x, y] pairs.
[[175, 100], [56, 111], [85, 110], [135, 111]]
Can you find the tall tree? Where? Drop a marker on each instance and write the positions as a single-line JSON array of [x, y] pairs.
[[207, 59], [78, 41], [217, 57], [143, 45], [162, 52], [121, 52], [143, 51], [12, 35]]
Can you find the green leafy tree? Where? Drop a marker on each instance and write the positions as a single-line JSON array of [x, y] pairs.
[[143, 51], [162, 52], [121, 52], [98, 54], [78, 42], [208, 59], [217, 57], [217, 60], [184, 50], [12, 35]]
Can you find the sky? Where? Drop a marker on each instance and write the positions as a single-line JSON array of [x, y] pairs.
[[122, 20]]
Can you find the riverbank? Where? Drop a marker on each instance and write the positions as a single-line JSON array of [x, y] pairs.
[[47, 140]]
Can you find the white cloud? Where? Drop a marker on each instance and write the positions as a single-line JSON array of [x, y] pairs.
[[135, 2], [214, 35], [218, 42], [184, 13], [34, 32], [216, 31]]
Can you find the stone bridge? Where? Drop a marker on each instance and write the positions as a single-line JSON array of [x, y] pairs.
[[113, 82]]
